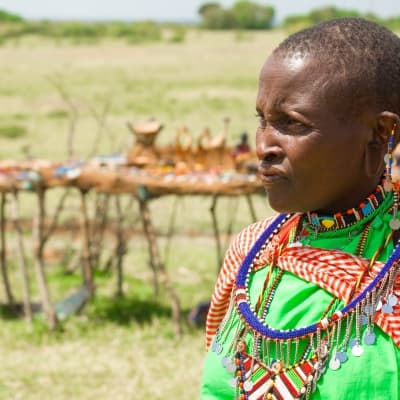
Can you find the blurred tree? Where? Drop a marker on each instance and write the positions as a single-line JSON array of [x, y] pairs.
[[208, 7], [215, 17], [250, 15], [244, 14]]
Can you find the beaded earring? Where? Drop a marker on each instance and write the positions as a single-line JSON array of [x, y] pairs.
[[388, 184]]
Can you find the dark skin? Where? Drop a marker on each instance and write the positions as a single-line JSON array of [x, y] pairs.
[[316, 155]]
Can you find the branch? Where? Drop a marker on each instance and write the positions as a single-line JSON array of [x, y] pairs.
[[57, 81], [54, 222], [101, 126]]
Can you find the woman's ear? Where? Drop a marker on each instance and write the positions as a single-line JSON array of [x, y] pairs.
[[386, 121], [376, 149]]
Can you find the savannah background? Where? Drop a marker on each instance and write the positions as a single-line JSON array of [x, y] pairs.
[[89, 79]]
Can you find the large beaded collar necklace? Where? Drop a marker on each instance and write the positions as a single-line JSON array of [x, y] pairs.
[[247, 311], [292, 376]]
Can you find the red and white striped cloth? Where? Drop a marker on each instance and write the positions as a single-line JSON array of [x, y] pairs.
[[333, 270]]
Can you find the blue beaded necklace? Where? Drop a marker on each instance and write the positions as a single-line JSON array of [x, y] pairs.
[[248, 314]]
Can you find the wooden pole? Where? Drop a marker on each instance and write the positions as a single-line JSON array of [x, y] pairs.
[[217, 237], [99, 227], [154, 257], [86, 257], [171, 228], [158, 265], [121, 246], [21, 259], [234, 205], [38, 249], [3, 258]]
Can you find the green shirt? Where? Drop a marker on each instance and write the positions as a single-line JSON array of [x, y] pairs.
[[297, 303]]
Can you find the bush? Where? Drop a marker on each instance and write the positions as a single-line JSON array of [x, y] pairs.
[[144, 31], [392, 23], [138, 32], [294, 23], [6, 16], [177, 34], [56, 114], [12, 131], [79, 30], [327, 13]]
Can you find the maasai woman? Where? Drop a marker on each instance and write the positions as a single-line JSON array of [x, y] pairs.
[[307, 304]]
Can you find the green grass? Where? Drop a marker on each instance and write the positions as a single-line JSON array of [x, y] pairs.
[[117, 347], [123, 348]]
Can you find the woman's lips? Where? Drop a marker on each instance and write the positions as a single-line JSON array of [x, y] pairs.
[[270, 177]]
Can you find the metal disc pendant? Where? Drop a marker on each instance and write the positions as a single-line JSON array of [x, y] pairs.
[[341, 356], [334, 364], [224, 361], [394, 224], [230, 367], [353, 342], [232, 382], [387, 308], [247, 386], [392, 300], [369, 338], [357, 350], [217, 348]]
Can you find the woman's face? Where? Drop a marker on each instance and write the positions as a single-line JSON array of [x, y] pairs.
[[311, 149]]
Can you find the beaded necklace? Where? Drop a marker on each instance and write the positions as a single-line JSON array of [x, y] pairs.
[[351, 216], [246, 310], [298, 380]]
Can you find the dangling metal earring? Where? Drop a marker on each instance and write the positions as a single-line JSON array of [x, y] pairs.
[[388, 184], [394, 223]]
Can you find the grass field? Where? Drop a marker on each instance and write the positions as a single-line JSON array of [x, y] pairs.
[[123, 348]]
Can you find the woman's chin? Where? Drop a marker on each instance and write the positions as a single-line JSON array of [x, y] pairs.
[[282, 205]]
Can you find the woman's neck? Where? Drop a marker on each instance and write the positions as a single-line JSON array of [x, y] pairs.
[[328, 220]]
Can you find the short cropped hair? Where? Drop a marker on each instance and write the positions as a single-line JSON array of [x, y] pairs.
[[362, 55]]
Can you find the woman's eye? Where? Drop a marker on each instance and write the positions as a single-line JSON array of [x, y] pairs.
[[293, 122], [262, 121], [295, 125]]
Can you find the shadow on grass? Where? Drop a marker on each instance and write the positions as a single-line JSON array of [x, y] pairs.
[[16, 311], [118, 310], [124, 310]]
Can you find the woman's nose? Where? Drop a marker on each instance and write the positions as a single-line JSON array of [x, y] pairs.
[[268, 147]]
